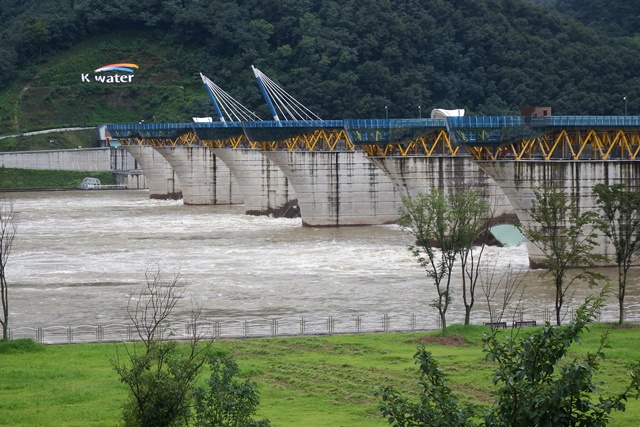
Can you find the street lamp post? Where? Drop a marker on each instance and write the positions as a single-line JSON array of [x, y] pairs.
[[419, 111], [386, 112], [625, 105]]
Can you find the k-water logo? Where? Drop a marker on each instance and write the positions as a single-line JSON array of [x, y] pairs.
[[100, 75]]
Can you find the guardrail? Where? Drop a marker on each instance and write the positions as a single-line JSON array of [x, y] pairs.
[[212, 328], [111, 187]]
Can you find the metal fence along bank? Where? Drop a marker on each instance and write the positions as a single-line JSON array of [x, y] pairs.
[[301, 326]]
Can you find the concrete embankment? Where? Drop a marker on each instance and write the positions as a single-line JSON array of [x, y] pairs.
[[116, 160]]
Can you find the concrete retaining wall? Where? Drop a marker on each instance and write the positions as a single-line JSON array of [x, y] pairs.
[[122, 164], [84, 159]]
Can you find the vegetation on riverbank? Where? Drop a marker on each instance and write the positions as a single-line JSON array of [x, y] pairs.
[[81, 138], [35, 179], [310, 381]]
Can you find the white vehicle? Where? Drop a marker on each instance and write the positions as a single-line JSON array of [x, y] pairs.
[[89, 183]]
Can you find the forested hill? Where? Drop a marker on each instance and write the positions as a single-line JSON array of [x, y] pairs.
[[617, 18], [341, 58]]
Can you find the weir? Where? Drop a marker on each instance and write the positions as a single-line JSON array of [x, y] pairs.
[[159, 176], [264, 187], [338, 188], [204, 179], [575, 178], [353, 172]]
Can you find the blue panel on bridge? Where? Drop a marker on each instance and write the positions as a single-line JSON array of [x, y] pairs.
[[390, 131], [480, 131], [123, 131], [146, 130], [504, 130], [280, 130], [583, 122], [216, 131], [164, 130], [464, 130]]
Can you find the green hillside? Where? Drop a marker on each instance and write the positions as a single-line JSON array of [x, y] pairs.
[[615, 18], [340, 58], [56, 96]]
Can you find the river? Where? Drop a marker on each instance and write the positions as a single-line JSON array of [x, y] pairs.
[[79, 255]]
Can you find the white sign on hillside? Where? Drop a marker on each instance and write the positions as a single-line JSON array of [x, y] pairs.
[[99, 76]]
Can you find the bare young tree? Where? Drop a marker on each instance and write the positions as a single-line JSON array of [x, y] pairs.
[[161, 378], [8, 230], [510, 282], [152, 305], [478, 212]]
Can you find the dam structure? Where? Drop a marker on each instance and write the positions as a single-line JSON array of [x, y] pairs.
[[355, 171], [518, 154], [294, 160]]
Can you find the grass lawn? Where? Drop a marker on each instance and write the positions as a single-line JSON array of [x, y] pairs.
[[305, 381]]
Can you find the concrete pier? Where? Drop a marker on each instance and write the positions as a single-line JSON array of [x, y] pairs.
[[419, 174], [576, 178], [336, 188], [159, 176], [265, 189], [204, 179]]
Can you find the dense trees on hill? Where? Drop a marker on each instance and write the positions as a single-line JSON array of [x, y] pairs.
[[618, 18], [353, 58]]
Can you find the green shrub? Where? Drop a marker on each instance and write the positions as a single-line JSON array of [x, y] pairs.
[[23, 345]]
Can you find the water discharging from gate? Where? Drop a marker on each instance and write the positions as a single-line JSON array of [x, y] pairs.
[[79, 254]]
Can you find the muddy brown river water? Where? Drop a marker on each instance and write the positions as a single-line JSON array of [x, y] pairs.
[[79, 254]]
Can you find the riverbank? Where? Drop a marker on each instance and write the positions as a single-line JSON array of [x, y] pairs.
[[311, 381], [46, 180]]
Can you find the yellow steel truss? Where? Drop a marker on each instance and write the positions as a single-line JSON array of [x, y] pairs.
[[565, 144], [433, 144], [188, 139], [317, 140], [568, 145], [236, 142]]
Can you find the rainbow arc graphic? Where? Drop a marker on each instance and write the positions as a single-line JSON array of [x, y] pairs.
[[125, 67]]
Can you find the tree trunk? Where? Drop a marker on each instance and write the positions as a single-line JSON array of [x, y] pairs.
[[559, 298], [621, 319], [5, 307], [622, 281]]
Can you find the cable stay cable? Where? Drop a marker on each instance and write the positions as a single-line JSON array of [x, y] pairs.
[[279, 103], [226, 106], [286, 102], [278, 99]]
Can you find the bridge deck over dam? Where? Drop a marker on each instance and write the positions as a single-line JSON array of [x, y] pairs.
[[493, 138]]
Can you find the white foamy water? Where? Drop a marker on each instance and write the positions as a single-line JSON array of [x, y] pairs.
[[78, 256]]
